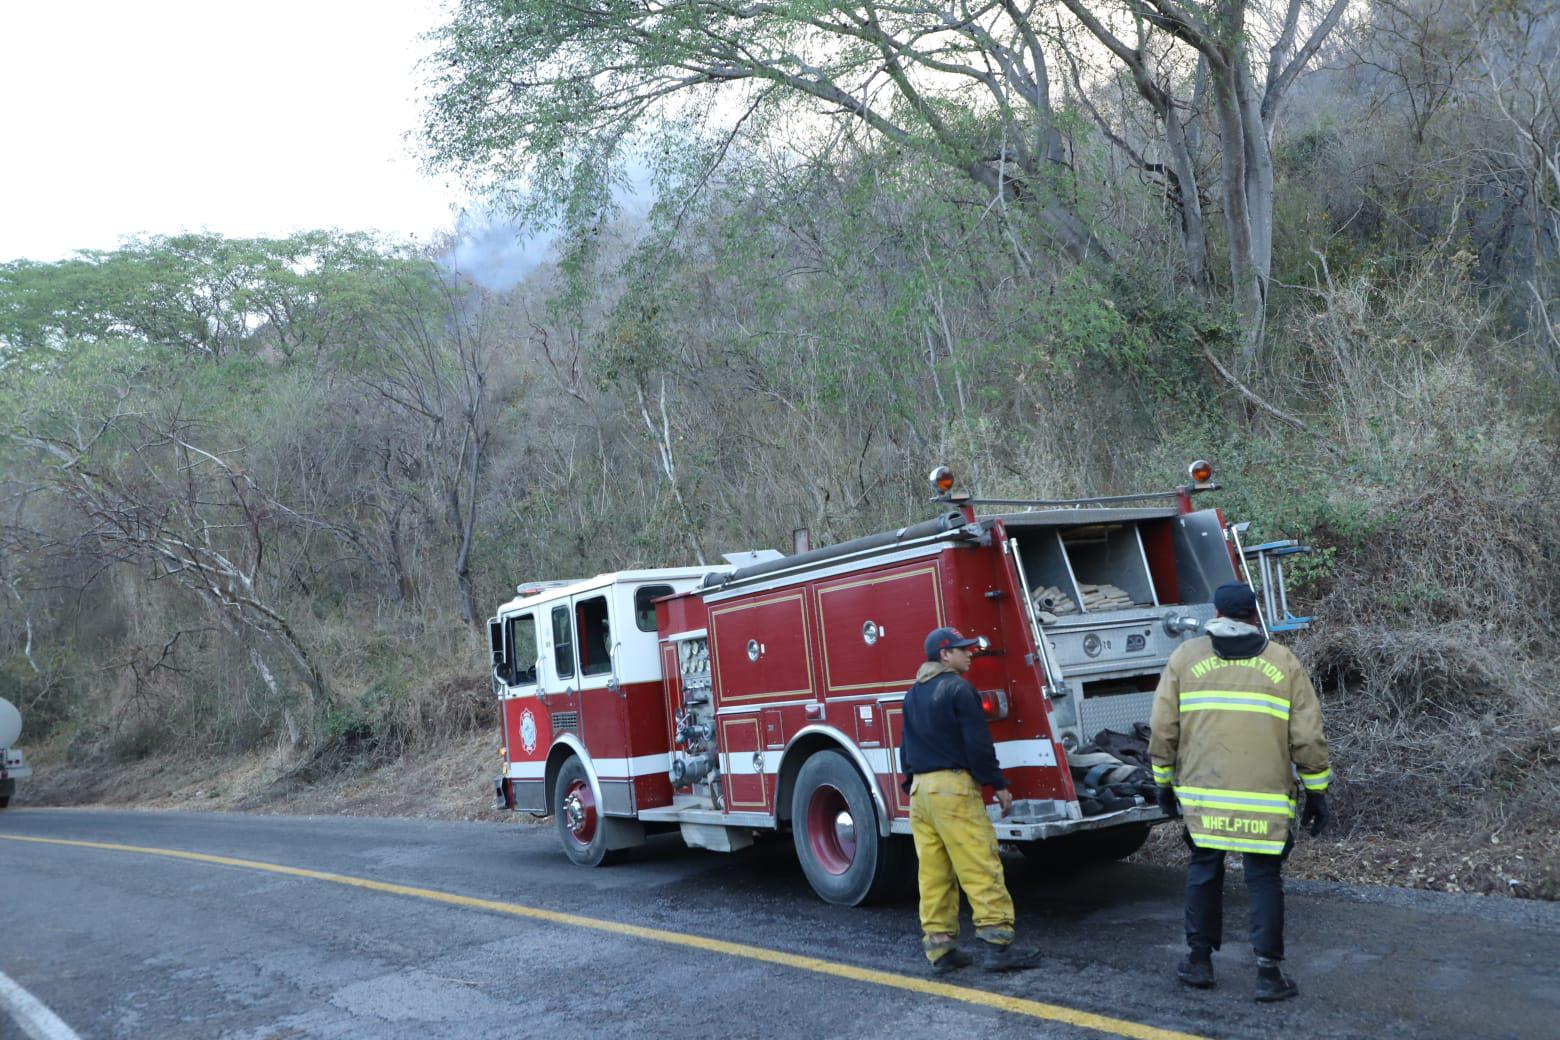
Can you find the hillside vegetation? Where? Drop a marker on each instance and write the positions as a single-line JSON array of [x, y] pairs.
[[263, 493]]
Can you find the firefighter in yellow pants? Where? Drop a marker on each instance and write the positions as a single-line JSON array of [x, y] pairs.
[[957, 848], [946, 756]]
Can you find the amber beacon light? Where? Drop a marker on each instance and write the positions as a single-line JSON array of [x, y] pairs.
[[1200, 471], [942, 480]]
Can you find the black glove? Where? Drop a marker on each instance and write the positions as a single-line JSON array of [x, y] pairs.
[[1315, 815], [1168, 803]]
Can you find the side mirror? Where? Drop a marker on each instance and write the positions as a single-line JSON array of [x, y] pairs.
[[504, 672], [496, 639]]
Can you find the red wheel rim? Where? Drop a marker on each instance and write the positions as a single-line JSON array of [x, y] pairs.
[[579, 813], [831, 830]]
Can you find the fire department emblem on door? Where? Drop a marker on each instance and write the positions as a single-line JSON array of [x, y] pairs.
[[528, 731]]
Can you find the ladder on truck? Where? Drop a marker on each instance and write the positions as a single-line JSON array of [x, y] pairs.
[[1269, 581]]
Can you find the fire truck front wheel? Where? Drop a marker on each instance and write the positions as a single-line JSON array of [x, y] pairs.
[[580, 826], [835, 827]]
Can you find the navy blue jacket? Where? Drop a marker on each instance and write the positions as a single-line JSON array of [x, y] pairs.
[[945, 728]]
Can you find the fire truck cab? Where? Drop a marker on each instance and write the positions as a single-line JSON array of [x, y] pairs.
[[767, 695]]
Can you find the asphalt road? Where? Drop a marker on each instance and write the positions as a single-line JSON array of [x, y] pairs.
[[129, 944]]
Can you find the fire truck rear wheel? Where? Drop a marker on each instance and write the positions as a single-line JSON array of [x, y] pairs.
[[581, 829], [835, 827]]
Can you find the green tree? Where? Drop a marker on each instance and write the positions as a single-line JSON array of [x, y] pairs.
[[205, 295], [118, 432], [557, 96], [426, 352], [1186, 59]]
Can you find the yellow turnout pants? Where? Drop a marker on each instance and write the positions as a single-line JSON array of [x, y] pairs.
[[957, 848]]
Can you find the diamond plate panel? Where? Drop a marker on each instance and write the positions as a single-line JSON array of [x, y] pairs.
[[1119, 713]]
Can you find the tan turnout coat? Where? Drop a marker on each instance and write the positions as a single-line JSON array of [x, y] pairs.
[[1226, 734]]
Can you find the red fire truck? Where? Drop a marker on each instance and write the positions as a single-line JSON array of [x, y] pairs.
[[766, 695]]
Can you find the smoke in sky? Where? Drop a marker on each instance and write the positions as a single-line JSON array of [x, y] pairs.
[[496, 253]]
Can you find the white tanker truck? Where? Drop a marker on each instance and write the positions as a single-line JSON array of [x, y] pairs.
[[13, 765]]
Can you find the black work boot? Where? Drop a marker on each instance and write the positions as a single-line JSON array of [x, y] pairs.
[[999, 957], [951, 961], [1196, 970], [1273, 984]]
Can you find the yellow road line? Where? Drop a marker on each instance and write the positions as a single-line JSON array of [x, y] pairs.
[[964, 994]]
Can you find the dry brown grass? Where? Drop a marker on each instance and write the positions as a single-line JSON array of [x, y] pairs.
[[1436, 660], [449, 779]]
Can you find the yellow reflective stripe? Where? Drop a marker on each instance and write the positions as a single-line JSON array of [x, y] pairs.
[[1255, 709], [1267, 797], [1164, 774], [1196, 802], [1234, 700], [1219, 841], [1245, 695], [1316, 781]]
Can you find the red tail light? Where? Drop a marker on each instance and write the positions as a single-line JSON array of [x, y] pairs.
[[994, 703]]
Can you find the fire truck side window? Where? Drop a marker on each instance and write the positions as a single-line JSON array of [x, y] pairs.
[[563, 643], [522, 649], [644, 604], [595, 636]]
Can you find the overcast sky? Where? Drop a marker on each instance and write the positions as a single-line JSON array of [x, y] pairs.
[[157, 116]]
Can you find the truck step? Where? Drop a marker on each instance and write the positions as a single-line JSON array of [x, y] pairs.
[[716, 837]]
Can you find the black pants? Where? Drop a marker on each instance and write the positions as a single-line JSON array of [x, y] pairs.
[[1205, 901]]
